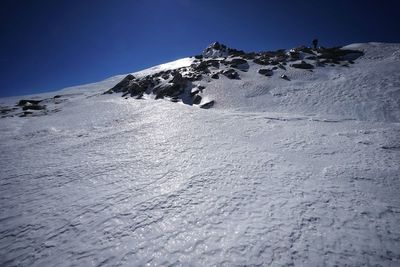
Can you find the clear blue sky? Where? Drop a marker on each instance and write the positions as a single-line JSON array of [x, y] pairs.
[[49, 45]]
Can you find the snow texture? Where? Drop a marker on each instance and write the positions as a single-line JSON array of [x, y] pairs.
[[280, 173]]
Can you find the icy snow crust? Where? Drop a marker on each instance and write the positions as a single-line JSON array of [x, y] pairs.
[[279, 173]]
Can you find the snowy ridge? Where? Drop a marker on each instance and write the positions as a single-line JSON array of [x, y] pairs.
[[298, 172]]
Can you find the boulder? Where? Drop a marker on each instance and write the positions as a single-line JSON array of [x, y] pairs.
[[285, 77], [178, 79], [194, 92], [231, 74], [196, 100], [215, 76], [302, 65], [266, 72], [208, 104], [239, 63], [261, 61]]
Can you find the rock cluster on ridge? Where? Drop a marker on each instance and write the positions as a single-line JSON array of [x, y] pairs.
[[217, 66], [218, 60]]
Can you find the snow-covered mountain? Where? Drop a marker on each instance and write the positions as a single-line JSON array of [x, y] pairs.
[[228, 158]]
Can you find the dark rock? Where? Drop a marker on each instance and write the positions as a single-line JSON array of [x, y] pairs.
[[338, 54], [269, 54], [165, 76], [213, 63], [122, 85], [198, 56], [235, 53], [194, 92], [239, 63], [215, 76], [56, 96], [215, 50], [140, 96], [26, 113], [178, 79], [197, 100], [193, 76], [202, 67], [302, 65], [261, 61], [33, 107], [231, 74], [294, 55], [281, 66], [266, 72], [169, 89], [283, 76], [24, 102], [311, 58], [208, 104], [274, 68], [5, 111], [305, 49], [250, 55], [217, 46], [137, 88]]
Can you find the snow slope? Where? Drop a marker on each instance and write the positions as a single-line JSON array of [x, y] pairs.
[[366, 90], [280, 173]]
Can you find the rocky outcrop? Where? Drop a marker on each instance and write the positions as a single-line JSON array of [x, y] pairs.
[[123, 85], [187, 84], [183, 84], [215, 50]]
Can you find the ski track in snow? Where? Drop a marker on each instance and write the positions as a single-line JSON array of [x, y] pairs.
[[173, 185]]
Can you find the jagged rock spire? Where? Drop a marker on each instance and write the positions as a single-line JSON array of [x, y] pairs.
[[216, 49]]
